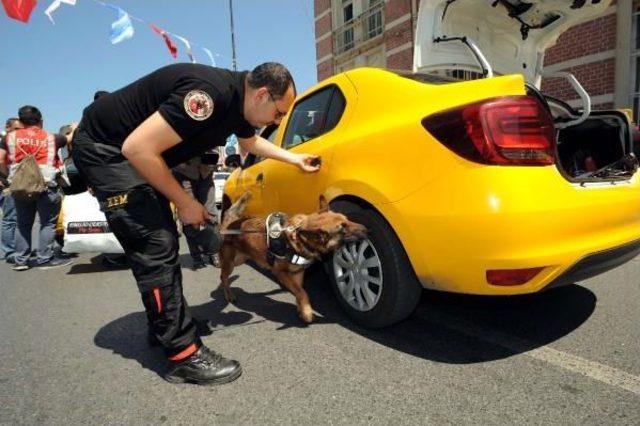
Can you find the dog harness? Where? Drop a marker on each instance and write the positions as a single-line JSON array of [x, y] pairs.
[[277, 246]]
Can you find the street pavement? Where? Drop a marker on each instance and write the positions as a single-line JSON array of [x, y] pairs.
[[73, 351]]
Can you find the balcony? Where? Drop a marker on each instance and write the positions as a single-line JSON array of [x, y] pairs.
[[359, 32]]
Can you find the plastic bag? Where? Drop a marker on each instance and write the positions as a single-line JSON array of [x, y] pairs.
[[85, 227]]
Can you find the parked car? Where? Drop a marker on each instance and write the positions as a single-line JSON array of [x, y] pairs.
[[483, 187], [219, 179]]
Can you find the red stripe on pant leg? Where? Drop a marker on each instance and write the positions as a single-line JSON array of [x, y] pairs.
[[185, 353], [156, 295]]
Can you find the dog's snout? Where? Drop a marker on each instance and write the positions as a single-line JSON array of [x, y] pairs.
[[354, 231]]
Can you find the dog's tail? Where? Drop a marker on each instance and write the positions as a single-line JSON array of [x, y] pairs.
[[235, 212]]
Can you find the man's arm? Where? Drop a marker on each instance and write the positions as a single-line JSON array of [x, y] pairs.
[[262, 147], [69, 135], [143, 148]]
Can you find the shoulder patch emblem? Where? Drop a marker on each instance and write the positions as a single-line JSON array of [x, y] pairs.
[[198, 104]]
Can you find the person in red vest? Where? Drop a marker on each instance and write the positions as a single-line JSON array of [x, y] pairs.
[[34, 140]]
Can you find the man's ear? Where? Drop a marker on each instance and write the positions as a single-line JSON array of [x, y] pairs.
[[324, 206], [262, 91]]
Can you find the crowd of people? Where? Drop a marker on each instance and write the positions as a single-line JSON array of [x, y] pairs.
[[24, 143]]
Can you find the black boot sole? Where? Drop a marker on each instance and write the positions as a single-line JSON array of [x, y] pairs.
[[219, 381]]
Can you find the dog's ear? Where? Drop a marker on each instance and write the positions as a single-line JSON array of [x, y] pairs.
[[324, 206], [236, 211]]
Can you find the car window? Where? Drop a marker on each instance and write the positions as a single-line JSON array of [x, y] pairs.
[[270, 133], [336, 107], [314, 116]]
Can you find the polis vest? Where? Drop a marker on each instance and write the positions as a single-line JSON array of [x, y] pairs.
[[37, 142]]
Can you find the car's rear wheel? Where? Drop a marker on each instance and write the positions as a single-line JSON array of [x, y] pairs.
[[372, 278]]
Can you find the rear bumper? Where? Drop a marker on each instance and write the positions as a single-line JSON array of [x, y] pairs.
[[502, 219], [597, 263]]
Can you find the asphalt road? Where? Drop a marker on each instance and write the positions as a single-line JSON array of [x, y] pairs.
[[73, 351]]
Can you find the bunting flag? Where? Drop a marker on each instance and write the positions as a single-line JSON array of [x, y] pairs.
[[208, 52], [20, 10], [55, 5], [170, 45], [188, 47], [121, 28]]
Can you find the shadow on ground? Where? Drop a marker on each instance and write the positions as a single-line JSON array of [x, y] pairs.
[[443, 328], [100, 263]]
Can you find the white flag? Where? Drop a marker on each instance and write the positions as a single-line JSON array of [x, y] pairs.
[[208, 52], [188, 46], [55, 5]]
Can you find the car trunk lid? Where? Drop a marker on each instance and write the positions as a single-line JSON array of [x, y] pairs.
[[512, 34]]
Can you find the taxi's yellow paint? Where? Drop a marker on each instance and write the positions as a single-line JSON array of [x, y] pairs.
[[455, 219]]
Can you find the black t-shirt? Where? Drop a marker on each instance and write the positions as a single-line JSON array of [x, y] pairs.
[[203, 104]]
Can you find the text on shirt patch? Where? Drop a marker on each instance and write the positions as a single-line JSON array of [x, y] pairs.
[[32, 143], [198, 104], [117, 201]]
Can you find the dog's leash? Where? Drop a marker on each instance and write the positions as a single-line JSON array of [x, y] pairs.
[[240, 232]]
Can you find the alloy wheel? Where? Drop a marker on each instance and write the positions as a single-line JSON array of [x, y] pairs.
[[358, 274]]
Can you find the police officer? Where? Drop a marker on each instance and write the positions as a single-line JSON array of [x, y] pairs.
[[125, 146]]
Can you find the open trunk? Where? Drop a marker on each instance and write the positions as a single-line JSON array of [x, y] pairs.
[[598, 147], [482, 38]]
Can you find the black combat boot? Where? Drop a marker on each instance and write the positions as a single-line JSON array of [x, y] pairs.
[[204, 367]]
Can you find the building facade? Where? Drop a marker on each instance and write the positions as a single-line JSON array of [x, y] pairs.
[[604, 53]]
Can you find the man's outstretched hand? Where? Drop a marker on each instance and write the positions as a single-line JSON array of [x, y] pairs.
[[308, 163]]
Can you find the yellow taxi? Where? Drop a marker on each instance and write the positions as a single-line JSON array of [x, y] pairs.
[[483, 187]]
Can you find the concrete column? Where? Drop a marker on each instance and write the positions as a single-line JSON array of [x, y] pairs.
[[623, 54]]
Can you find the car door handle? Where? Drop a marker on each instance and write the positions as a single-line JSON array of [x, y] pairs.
[[260, 178]]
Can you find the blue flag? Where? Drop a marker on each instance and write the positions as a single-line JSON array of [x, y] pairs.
[[121, 28]]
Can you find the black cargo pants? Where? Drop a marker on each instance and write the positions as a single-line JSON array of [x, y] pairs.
[[142, 221], [147, 231]]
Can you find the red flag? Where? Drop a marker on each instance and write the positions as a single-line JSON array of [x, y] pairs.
[[19, 10], [170, 45]]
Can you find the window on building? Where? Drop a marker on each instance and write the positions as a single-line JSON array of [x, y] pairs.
[[635, 66], [374, 20], [347, 18], [347, 11]]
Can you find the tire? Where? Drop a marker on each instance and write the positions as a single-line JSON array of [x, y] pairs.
[[385, 261]]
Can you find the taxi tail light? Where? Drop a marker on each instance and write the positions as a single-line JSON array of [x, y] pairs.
[[515, 130], [510, 277]]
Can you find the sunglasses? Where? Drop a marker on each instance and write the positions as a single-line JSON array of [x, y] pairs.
[[279, 114]]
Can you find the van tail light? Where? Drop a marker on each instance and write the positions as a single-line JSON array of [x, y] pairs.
[[509, 277], [514, 130]]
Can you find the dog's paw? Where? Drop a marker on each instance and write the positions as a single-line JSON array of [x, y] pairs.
[[228, 294], [306, 314]]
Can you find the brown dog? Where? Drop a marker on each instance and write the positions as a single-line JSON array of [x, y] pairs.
[[310, 236]]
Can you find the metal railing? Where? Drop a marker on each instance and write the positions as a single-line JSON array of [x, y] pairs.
[[367, 26]]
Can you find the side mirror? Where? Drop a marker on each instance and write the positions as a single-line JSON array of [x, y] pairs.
[[233, 160]]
